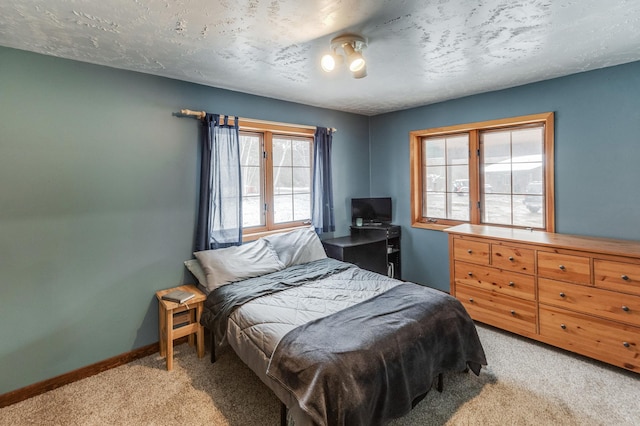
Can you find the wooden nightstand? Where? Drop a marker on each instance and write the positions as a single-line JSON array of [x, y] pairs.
[[184, 317]]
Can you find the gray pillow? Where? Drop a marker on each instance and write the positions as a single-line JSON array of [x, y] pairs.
[[227, 265], [194, 267], [297, 246]]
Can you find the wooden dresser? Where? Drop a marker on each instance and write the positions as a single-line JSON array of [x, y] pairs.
[[577, 293]]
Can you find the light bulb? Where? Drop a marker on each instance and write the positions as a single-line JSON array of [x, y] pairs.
[[356, 63], [355, 59], [328, 63]]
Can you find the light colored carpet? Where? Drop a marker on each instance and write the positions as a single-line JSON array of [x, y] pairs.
[[526, 383]]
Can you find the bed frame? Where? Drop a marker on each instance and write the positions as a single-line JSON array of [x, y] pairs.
[[283, 408], [275, 367]]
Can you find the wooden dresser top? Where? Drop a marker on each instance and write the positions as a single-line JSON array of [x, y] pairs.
[[572, 242]]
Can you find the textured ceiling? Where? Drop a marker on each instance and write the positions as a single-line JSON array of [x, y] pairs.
[[419, 52]]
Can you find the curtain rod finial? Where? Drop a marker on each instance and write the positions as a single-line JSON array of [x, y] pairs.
[[197, 114]]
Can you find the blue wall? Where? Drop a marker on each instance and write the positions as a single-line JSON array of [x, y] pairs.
[[98, 203], [98, 190], [597, 157]]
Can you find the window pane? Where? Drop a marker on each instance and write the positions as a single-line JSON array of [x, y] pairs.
[[301, 179], [251, 180], [250, 150], [524, 174], [282, 208], [497, 178], [435, 178], [435, 205], [458, 198], [458, 149], [528, 143], [282, 180], [301, 151], [497, 209], [528, 210], [281, 152], [252, 213], [434, 152], [301, 206], [291, 179], [445, 172], [496, 147], [458, 207], [513, 175], [459, 178]]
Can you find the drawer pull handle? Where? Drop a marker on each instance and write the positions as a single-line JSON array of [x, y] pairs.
[[625, 308], [511, 284], [562, 267], [511, 258], [471, 299], [513, 312], [469, 251], [562, 326], [470, 274], [624, 277], [626, 344], [562, 294]]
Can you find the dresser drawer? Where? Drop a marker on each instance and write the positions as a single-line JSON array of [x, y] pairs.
[[502, 311], [616, 344], [618, 276], [471, 251], [513, 258], [496, 280], [590, 300], [564, 267]]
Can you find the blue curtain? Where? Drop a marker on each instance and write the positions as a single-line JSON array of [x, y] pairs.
[[220, 210], [322, 207]]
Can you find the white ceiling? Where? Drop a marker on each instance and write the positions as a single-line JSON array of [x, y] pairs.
[[419, 52]]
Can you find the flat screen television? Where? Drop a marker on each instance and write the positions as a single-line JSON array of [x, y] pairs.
[[371, 210]]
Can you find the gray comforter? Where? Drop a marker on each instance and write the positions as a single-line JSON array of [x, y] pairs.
[[367, 364], [361, 364], [221, 302]]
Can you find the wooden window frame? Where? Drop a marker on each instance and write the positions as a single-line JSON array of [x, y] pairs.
[[268, 131], [473, 130]]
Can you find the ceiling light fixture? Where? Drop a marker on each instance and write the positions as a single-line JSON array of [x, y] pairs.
[[352, 46]]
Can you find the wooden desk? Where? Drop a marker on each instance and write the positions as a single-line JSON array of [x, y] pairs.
[[367, 251]]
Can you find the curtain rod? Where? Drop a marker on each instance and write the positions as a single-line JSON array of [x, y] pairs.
[[200, 115]]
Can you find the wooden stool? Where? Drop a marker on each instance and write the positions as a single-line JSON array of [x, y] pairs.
[[186, 318]]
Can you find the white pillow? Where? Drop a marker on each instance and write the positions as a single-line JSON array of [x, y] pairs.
[[227, 265], [298, 246], [194, 267]]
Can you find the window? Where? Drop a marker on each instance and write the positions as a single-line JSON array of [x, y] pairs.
[[276, 177], [495, 173]]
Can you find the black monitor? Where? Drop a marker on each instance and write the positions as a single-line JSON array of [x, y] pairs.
[[371, 210]]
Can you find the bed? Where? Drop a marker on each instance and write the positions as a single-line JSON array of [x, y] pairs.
[[338, 345]]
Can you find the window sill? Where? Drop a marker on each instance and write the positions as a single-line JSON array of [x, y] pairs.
[[432, 226], [257, 235]]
